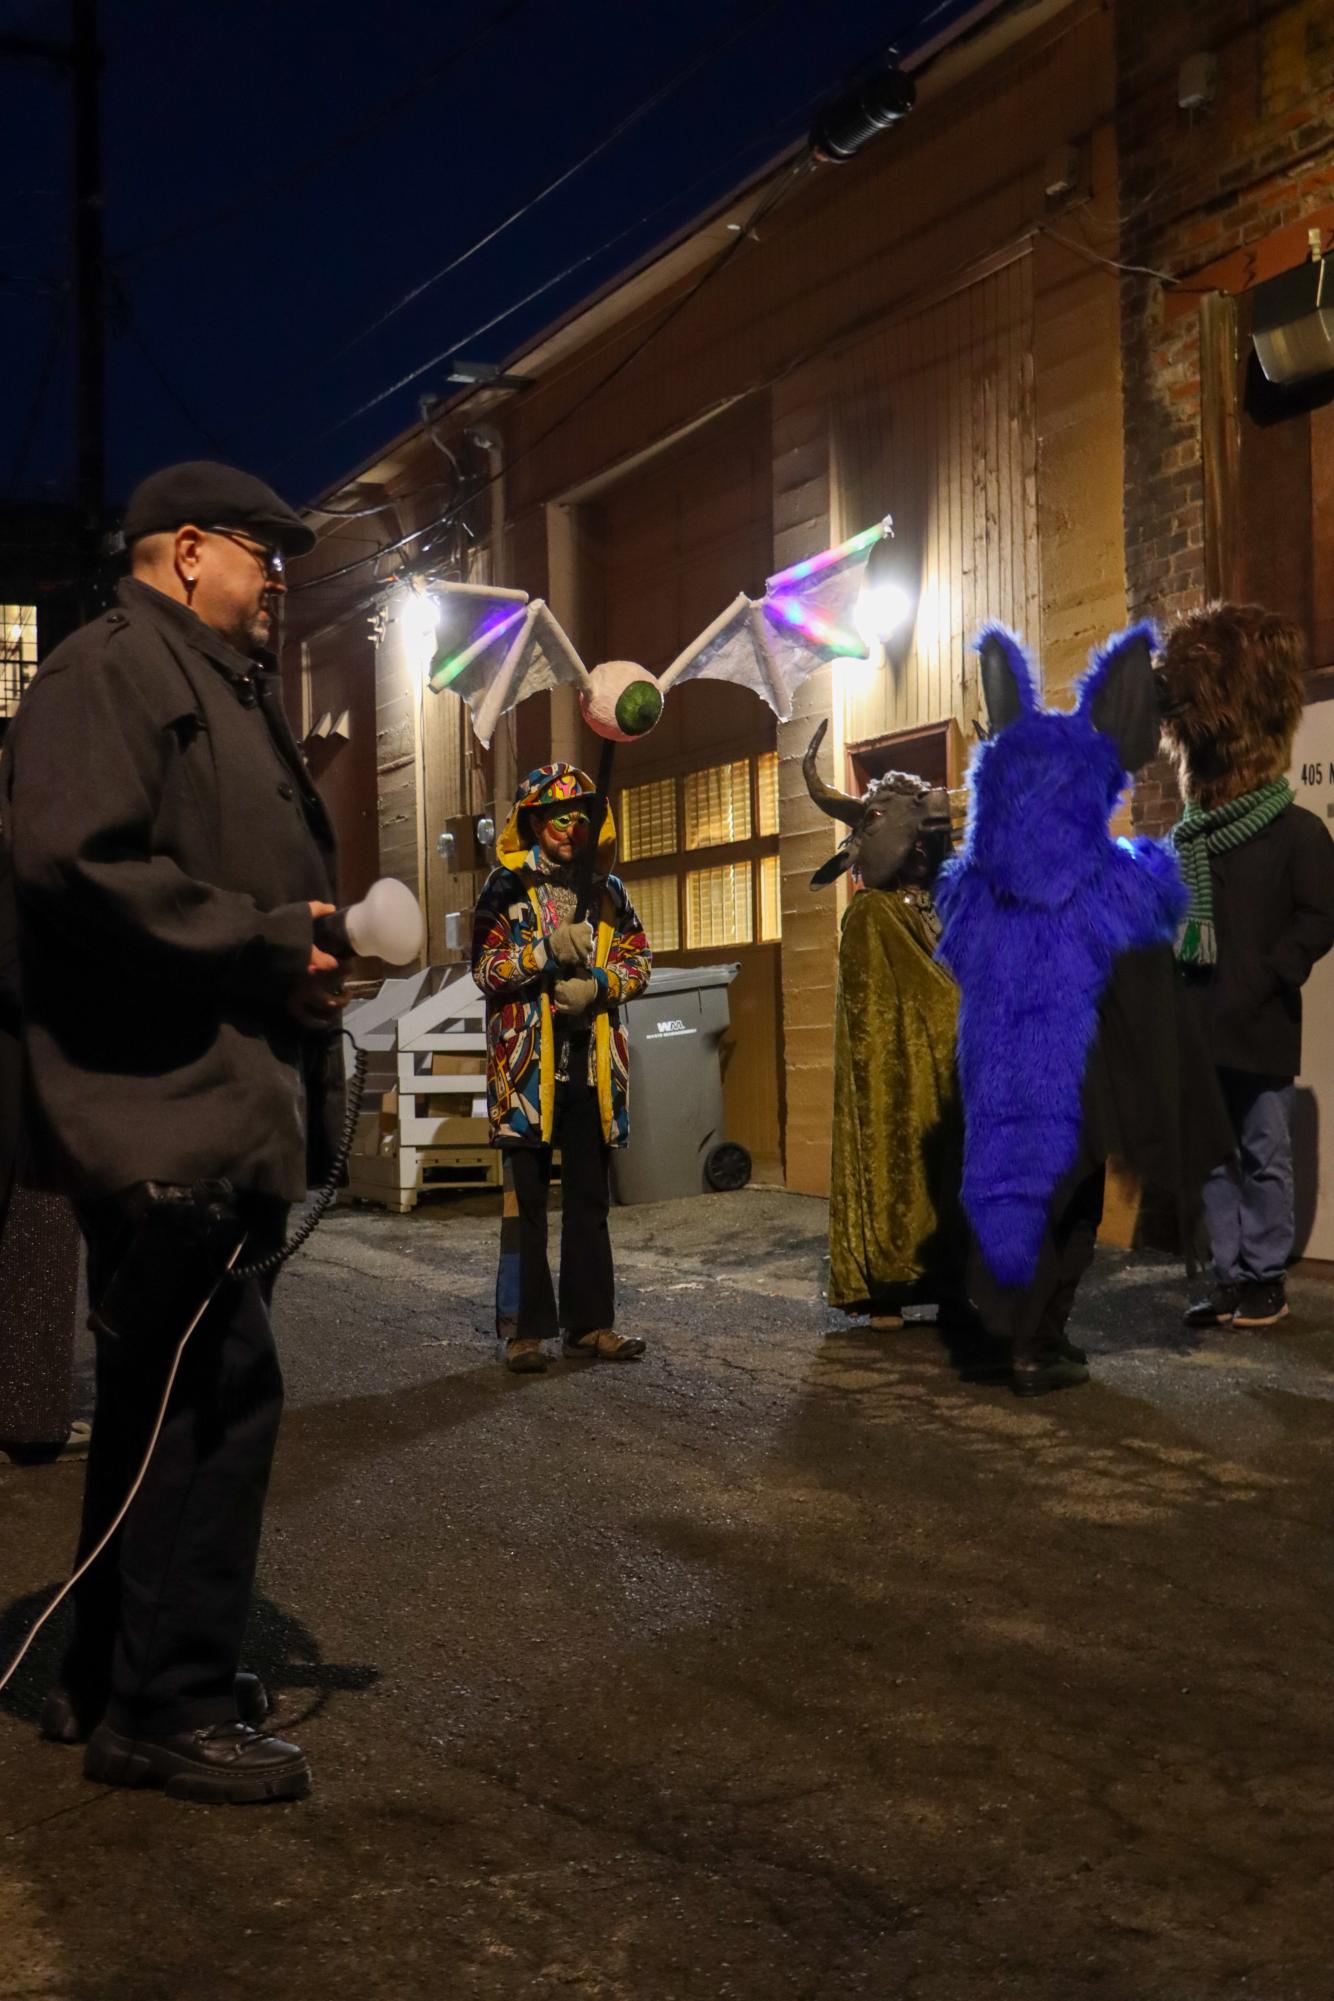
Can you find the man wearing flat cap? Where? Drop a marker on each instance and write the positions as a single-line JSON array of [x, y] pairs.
[[170, 856]]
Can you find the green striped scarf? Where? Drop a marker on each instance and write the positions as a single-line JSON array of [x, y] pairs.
[[1197, 836]]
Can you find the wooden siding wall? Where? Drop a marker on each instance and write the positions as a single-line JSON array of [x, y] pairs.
[[938, 239], [933, 423]]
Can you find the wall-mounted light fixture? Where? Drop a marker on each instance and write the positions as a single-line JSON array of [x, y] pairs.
[[1292, 320], [885, 602], [1197, 81], [419, 620], [852, 120]]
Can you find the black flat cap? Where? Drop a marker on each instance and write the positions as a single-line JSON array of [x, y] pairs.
[[215, 496]]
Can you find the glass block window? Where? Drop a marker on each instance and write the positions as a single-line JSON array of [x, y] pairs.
[[647, 823], [18, 652], [771, 900], [719, 906], [658, 906], [766, 788], [718, 804]]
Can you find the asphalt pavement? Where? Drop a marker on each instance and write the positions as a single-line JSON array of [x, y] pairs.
[[784, 1665]]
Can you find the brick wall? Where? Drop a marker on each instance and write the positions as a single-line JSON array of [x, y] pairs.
[[1196, 187]]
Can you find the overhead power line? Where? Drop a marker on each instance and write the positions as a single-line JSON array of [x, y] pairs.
[[305, 170], [463, 340], [543, 193], [769, 201]]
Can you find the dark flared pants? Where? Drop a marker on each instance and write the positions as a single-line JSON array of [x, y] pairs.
[[526, 1301], [1033, 1318], [160, 1618]]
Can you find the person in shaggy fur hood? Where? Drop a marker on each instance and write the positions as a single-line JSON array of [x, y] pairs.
[[1260, 872], [1073, 1045]]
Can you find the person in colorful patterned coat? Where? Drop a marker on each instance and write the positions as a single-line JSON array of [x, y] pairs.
[[556, 1064]]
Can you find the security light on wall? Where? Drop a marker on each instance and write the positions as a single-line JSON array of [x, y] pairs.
[[1292, 320], [885, 603]]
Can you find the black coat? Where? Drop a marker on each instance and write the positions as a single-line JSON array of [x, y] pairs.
[[166, 842], [1273, 918]]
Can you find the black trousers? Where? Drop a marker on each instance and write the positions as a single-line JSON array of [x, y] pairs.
[[1033, 1318], [159, 1620], [526, 1304]]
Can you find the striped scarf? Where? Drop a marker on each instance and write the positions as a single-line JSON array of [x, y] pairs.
[[1197, 837]]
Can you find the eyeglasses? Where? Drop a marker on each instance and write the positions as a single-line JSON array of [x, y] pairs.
[[269, 560]]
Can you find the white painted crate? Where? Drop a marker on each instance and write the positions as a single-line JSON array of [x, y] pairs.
[[440, 1133]]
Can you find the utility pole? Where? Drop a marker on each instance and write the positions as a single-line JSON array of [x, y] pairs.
[[89, 294], [80, 59]]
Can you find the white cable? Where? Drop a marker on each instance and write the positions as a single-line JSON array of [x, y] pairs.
[[139, 1477]]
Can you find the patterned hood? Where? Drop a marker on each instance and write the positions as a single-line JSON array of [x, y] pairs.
[[549, 785]]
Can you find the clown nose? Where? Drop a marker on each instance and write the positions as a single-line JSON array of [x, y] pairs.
[[386, 924]]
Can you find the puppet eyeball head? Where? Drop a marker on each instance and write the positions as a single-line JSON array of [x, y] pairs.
[[622, 701]]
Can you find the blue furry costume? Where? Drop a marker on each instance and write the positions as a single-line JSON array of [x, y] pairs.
[[1036, 910]]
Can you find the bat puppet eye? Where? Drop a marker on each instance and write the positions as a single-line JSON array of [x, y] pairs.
[[622, 701]]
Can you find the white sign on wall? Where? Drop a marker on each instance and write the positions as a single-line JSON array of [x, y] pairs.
[[1312, 777]]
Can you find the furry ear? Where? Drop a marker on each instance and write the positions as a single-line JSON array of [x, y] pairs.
[[1119, 695], [831, 870], [1007, 677]]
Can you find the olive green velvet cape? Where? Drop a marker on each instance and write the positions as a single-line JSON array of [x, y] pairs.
[[896, 1229]]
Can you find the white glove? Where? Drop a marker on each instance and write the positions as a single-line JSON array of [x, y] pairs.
[[571, 944]]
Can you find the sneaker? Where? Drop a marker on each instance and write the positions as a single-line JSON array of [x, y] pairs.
[[1217, 1309], [522, 1356], [1261, 1305]]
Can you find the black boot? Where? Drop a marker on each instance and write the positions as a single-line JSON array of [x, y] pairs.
[[1052, 1372], [224, 1764]]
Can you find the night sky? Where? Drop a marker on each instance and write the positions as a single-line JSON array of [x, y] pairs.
[[279, 173]]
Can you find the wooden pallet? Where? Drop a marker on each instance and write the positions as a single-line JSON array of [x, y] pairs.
[[424, 1123]]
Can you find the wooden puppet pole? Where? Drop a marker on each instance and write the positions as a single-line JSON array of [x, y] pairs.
[[588, 866]]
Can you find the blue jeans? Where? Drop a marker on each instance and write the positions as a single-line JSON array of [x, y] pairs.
[[1248, 1202]]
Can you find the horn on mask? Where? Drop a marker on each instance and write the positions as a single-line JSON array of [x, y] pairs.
[[836, 804]]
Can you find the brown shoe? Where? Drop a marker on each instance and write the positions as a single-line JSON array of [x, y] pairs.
[[525, 1357], [604, 1344]]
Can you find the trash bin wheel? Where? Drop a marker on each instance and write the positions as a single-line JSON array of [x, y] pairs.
[[727, 1167]]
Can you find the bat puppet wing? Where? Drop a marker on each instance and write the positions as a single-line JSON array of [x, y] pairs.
[[497, 647], [771, 644]]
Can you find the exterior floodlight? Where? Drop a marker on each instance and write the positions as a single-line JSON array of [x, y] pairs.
[[1292, 321], [885, 603], [842, 128], [419, 615]]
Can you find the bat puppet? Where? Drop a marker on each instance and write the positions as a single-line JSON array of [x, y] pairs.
[[497, 647]]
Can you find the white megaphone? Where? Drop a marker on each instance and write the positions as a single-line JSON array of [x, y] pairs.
[[387, 924]]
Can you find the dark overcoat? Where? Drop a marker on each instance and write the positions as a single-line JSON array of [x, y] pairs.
[[1274, 917], [167, 842]]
